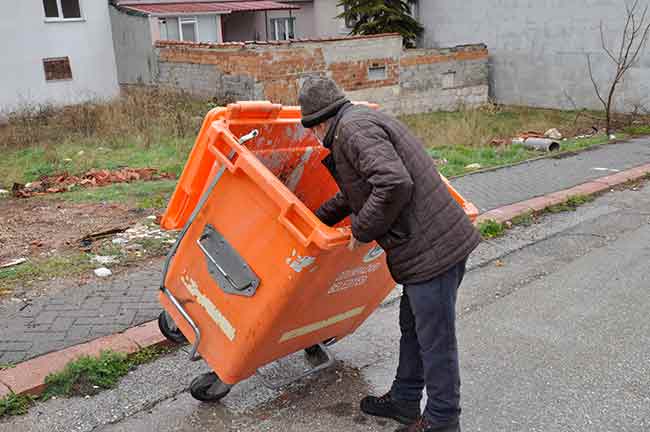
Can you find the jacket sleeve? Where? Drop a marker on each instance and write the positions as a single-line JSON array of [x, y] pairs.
[[334, 210], [375, 159]]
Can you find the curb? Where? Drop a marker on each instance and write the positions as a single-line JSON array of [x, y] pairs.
[[28, 377], [509, 212]]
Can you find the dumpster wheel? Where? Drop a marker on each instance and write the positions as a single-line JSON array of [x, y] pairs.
[[169, 330], [209, 388]]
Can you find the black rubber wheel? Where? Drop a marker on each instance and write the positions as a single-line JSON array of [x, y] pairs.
[[209, 388], [173, 334], [313, 350]]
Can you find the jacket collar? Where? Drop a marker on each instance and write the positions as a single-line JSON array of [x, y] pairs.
[[331, 132]]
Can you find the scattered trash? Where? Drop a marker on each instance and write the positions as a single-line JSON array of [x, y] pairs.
[[542, 144], [516, 141], [64, 182], [606, 169], [440, 162], [532, 134], [105, 259], [499, 263], [81, 153], [553, 134], [4, 192], [612, 137], [151, 217], [140, 231], [67, 160], [498, 142], [88, 239], [474, 166], [103, 272], [13, 263]]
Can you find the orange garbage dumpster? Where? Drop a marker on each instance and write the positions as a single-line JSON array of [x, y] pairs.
[[254, 275]]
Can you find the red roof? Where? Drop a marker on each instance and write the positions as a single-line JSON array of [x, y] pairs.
[[204, 7]]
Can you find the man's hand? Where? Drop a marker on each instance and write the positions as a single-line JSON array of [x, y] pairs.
[[354, 243]]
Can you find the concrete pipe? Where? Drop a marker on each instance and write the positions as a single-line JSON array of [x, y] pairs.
[[542, 144]]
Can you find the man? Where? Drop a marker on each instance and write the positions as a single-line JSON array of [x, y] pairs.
[[391, 189]]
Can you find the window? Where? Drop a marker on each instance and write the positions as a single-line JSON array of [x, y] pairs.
[[188, 29], [377, 72], [59, 10], [449, 80], [57, 69], [283, 28]]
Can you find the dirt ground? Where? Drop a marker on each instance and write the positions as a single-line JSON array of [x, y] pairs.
[[40, 226]]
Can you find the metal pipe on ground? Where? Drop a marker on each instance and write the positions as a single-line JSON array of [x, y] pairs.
[[542, 144]]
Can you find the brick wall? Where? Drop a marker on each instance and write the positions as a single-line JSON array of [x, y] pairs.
[[374, 69]]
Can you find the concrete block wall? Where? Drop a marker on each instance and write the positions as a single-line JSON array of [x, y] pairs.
[[538, 48], [375, 69]]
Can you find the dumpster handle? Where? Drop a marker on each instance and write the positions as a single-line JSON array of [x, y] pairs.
[[329, 362], [221, 270], [195, 328], [305, 240], [197, 333]]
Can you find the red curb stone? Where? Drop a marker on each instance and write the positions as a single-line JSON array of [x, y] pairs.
[[622, 177], [506, 213], [28, 377], [146, 335], [590, 188], [540, 203]]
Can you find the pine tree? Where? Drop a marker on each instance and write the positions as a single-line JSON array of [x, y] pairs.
[[367, 17]]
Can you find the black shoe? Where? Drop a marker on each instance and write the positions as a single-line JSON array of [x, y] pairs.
[[405, 412], [423, 425]]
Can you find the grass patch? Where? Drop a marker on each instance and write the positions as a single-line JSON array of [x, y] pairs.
[[145, 195], [68, 264], [14, 404], [491, 229], [89, 375], [463, 137], [638, 130], [85, 376], [526, 219], [571, 204]]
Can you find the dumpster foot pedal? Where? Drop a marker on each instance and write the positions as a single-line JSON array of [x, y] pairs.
[[324, 358]]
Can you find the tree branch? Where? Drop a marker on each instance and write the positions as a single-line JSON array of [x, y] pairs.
[[593, 81]]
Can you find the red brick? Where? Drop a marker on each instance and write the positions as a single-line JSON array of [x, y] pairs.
[[505, 213], [540, 203], [146, 335], [587, 189]]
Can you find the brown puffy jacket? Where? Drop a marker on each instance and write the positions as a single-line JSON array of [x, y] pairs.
[[391, 187]]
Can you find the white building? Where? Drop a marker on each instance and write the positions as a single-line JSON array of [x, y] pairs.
[[55, 51]]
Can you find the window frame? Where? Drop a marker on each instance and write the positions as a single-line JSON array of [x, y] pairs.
[[53, 59], [287, 20], [60, 18], [188, 20]]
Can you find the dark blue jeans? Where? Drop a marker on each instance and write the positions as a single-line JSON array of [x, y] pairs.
[[428, 354]]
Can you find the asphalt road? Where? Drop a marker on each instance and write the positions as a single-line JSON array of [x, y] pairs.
[[554, 330]]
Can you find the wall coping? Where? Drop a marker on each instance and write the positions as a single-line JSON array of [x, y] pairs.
[[251, 44]]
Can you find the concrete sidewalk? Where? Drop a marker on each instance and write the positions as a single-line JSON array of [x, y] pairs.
[[105, 307]]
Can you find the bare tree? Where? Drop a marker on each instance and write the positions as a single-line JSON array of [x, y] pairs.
[[635, 36]]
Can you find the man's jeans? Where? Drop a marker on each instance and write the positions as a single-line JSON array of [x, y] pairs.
[[428, 349]]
